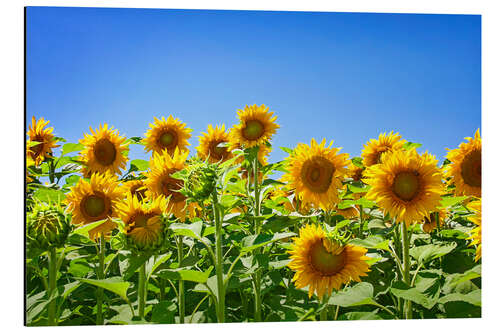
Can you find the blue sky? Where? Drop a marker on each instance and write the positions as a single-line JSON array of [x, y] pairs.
[[341, 76]]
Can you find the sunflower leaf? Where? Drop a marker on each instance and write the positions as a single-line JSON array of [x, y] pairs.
[[190, 230], [114, 284], [430, 252], [359, 294], [450, 201], [186, 275], [71, 147], [253, 242]]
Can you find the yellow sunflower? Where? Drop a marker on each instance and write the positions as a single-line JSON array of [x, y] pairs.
[[257, 125], [208, 145], [465, 167], [38, 133], [376, 148], [315, 172], [104, 151], [476, 232], [429, 223], [137, 188], [167, 134], [160, 182], [324, 264], [405, 184], [142, 220], [94, 201], [355, 172]]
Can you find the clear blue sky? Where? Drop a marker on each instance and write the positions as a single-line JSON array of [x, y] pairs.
[[340, 76]]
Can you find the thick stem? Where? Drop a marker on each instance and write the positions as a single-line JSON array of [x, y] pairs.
[[52, 286], [257, 298], [406, 265], [360, 220], [180, 254], [100, 276], [142, 290], [218, 260]]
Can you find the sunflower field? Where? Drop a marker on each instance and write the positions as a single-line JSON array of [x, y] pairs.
[[217, 234]]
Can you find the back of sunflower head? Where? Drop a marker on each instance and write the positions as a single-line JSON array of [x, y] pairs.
[[200, 180], [47, 226]]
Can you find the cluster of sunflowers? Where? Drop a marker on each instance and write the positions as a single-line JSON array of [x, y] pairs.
[[318, 219]]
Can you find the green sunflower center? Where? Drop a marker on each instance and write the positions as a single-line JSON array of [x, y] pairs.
[[471, 168], [94, 206], [326, 262], [168, 139], [105, 152], [317, 173], [406, 185], [253, 129]]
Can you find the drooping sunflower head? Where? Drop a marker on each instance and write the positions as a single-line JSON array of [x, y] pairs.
[[200, 180], [476, 232], [136, 188], [324, 264], [405, 184], [104, 151], [167, 135], [159, 181], [209, 145], [145, 226], [315, 172], [465, 167], [257, 126], [41, 140], [95, 200], [431, 222], [376, 148], [47, 226]]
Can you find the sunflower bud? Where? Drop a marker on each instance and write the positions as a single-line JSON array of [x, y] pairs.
[[47, 227], [201, 180]]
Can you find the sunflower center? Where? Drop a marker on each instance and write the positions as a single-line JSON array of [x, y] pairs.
[[170, 186], [105, 152], [141, 220], [325, 262], [317, 173], [253, 130], [471, 169], [94, 206], [406, 185], [37, 149], [139, 191], [218, 152], [168, 139]]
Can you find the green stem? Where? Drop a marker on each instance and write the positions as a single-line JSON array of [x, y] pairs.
[[161, 284], [406, 265], [100, 276], [52, 286], [219, 261], [360, 220], [180, 254], [257, 299], [257, 275], [51, 171], [142, 290]]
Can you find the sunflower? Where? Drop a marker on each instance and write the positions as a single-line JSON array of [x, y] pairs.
[[314, 172], [355, 172], [167, 134], [256, 127], [104, 151], [94, 201], [375, 149], [136, 188], [430, 223], [405, 184], [143, 222], [324, 264], [159, 181], [476, 232], [209, 142], [46, 141], [465, 167]]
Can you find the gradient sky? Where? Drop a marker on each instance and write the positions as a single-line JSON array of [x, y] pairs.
[[341, 76]]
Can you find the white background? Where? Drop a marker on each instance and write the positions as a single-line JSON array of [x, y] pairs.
[[12, 154]]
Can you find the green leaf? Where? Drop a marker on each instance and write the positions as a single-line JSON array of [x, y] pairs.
[[185, 275], [49, 195], [357, 161], [114, 284], [164, 313], [372, 242], [287, 150], [84, 230], [410, 145], [79, 267], [400, 289], [253, 242], [450, 201], [359, 294], [71, 147], [140, 165], [430, 252], [360, 316], [474, 298], [190, 230], [157, 263], [132, 264]]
